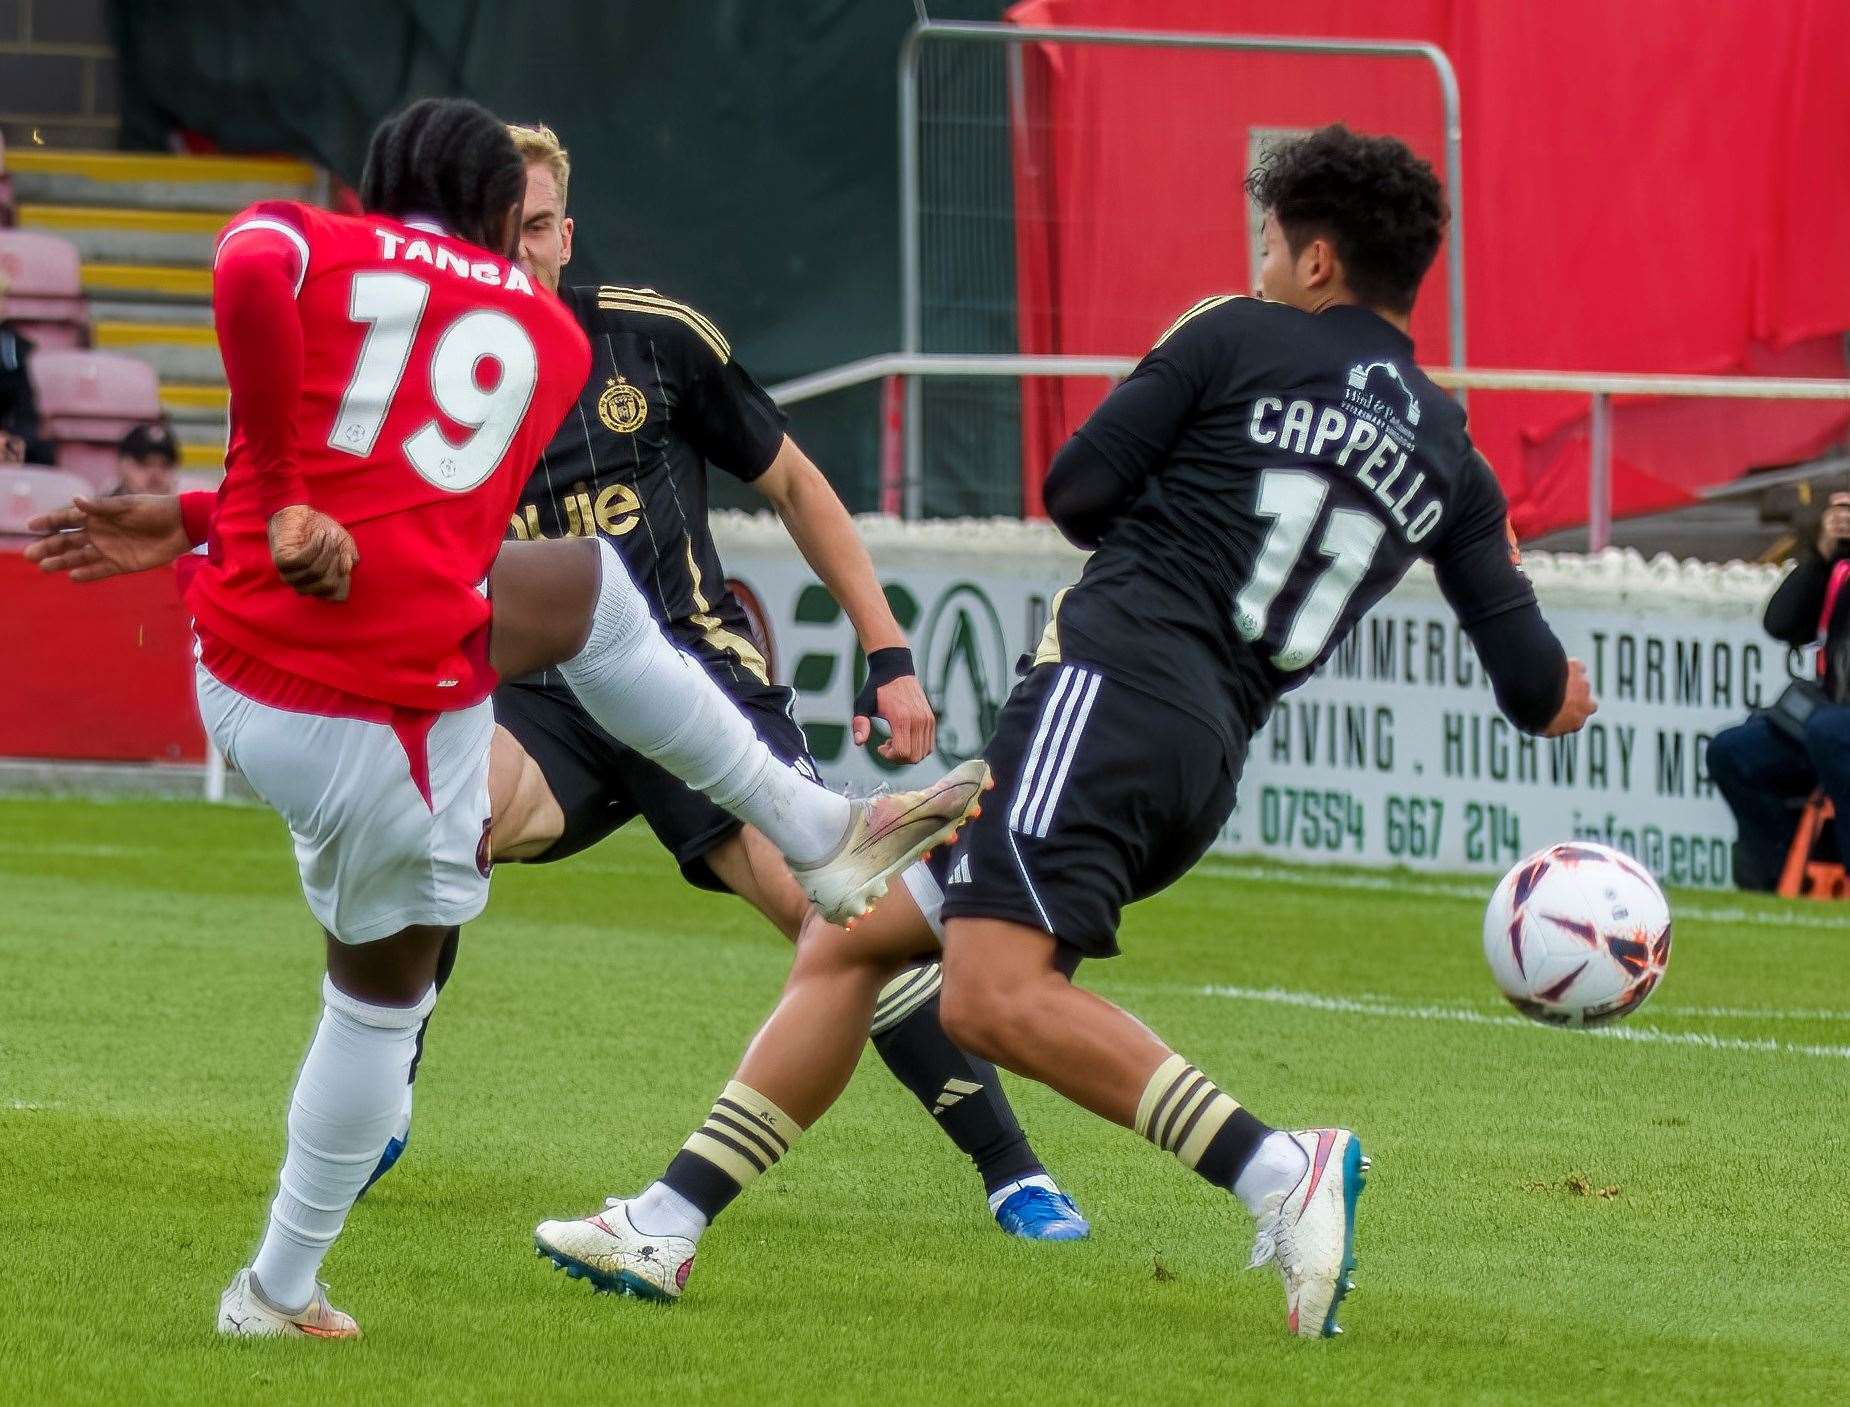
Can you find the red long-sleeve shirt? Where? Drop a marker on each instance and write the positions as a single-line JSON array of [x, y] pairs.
[[403, 382]]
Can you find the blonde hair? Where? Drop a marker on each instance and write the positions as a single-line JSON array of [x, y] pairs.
[[540, 143]]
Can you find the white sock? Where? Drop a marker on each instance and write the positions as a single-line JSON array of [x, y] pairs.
[[659, 1210], [347, 1103], [652, 697], [401, 1130], [1273, 1170], [1002, 1194]]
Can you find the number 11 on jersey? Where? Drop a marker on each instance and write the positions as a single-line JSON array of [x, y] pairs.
[[1292, 499]]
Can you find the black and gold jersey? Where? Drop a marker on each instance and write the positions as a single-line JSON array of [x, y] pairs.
[[1286, 469], [665, 399]]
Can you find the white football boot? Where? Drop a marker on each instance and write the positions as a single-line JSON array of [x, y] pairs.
[[1309, 1232], [886, 834], [245, 1314], [614, 1256]]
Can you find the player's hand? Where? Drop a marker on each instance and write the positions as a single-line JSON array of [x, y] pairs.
[[97, 538], [1835, 527], [314, 554], [892, 694], [1577, 704]]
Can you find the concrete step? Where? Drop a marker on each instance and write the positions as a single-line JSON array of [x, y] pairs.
[[148, 282], [177, 352], [203, 457], [154, 181], [206, 433], [206, 430], [176, 314], [196, 403], [120, 235]]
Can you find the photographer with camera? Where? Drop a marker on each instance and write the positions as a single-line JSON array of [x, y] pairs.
[[1768, 765]]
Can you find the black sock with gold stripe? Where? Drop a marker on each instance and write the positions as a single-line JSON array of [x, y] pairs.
[[963, 1094], [1183, 1112], [741, 1138]]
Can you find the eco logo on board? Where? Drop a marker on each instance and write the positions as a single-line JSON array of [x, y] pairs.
[[964, 667]]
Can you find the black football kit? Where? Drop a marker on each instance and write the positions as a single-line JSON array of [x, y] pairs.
[[1259, 481], [664, 400]]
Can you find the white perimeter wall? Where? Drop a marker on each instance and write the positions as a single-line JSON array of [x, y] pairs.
[[1396, 753]]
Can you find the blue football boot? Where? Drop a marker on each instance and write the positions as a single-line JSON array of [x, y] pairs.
[[1037, 1213]]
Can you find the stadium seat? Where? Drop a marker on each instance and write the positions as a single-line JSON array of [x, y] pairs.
[[29, 490], [1806, 876], [95, 465], [94, 396], [45, 288], [87, 402]]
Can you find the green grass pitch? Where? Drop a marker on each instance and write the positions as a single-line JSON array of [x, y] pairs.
[[1552, 1217]]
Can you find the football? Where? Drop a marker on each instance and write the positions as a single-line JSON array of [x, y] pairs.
[[1577, 935]]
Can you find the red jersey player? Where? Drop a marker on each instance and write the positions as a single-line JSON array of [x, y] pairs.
[[393, 378]]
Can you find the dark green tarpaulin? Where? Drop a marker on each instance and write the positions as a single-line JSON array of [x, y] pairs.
[[740, 154]]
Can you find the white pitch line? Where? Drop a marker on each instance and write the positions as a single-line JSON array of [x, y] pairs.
[[1794, 917], [1645, 1035], [1723, 1013], [1755, 1013]]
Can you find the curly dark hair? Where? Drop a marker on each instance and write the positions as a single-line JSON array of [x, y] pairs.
[[1380, 205], [451, 159]]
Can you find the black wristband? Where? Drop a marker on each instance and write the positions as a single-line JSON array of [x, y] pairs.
[[883, 667]]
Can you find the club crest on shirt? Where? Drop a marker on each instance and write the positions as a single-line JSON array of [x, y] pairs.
[[622, 407]]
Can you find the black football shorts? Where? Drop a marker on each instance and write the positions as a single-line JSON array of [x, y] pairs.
[[1104, 794], [600, 784]]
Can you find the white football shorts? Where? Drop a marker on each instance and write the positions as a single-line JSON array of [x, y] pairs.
[[375, 856]]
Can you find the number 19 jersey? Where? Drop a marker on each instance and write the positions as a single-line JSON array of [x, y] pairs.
[[434, 374], [1292, 467]]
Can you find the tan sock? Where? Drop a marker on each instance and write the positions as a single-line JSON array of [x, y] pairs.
[[1184, 1113]]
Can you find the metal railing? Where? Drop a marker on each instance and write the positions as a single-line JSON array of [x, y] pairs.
[[910, 253], [1600, 387]]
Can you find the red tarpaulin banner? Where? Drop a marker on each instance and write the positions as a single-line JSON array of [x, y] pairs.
[[103, 671], [1640, 194]]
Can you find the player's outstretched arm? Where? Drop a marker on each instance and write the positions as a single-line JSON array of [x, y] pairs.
[[1577, 703], [1478, 567], [1537, 686], [94, 539], [819, 524]]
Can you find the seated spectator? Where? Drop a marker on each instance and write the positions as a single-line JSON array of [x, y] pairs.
[[20, 440], [1768, 765], [146, 459]]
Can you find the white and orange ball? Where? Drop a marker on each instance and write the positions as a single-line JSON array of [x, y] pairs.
[[1577, 935]]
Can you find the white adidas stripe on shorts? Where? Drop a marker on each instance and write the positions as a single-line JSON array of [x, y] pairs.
[[1050, 755]]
